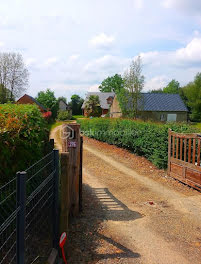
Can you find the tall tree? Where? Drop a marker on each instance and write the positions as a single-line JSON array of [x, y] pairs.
[[76, 104], [48, 100], [172, 87], [192, 91], [133, 83], [112, 84], [13, 75]]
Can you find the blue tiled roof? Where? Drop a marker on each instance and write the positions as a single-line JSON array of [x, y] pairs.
[[163, 102]]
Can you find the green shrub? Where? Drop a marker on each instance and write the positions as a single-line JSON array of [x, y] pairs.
[[23, 137], [64, 115], [147, 139]]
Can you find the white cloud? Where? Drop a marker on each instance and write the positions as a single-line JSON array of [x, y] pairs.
[[107, 63], [2, 44], [102, 41], [156, 83], [188, 6], [191, 53], [30, 61], [182, 57], [50, 61], [74, 57], [93, 88], [139, 4]]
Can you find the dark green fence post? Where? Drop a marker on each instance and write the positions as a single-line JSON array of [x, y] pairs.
[[56, 200], [51, 144], [21, 204]]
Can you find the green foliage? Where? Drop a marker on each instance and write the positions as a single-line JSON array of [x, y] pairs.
[[64, 115], [48, 100], [4, 94], [23, 137], [112, 84], [192, 92], [93, 106], [76, 104], [147, 139], [172, 88]]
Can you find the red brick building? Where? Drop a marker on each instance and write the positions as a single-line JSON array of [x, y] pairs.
[[27, 99]]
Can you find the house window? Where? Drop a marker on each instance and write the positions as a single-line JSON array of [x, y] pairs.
[[162, 117], [172, 117]]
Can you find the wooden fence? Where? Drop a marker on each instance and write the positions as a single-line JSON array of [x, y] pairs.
[[184, 158]]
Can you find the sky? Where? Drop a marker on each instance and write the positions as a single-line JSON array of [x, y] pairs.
[[72, 46]]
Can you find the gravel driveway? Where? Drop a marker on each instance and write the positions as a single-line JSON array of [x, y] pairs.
[[133, 212]]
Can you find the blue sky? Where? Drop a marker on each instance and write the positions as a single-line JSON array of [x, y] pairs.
[[71, 46]]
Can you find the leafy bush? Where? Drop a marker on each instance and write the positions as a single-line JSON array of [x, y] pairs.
[[147, 139], [23, 137], [64, 115]]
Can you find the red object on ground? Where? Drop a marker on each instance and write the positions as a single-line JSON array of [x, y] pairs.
[[62, 242]]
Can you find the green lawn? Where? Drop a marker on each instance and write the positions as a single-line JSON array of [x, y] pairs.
[[78, 116], [198, 125]]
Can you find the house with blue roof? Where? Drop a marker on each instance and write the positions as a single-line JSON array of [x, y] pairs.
[[157, 107]]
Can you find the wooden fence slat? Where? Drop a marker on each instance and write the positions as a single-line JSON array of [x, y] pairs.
[[181, 148], [194, 150], [173, 148], [177, 149], [189, 151], [185, 148], [198, 157]]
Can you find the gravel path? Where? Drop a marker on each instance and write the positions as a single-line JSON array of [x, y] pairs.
[[133, 213]]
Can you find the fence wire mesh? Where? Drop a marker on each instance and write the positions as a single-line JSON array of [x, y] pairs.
[[8, 214], [38, 214], [39, 190]]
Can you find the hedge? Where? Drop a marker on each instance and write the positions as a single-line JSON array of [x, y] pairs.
[[23, 137], [143, 138]]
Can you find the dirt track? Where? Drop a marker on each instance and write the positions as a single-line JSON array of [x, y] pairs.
[[133, 213]]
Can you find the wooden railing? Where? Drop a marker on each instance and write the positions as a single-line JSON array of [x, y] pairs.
[[184, 157]]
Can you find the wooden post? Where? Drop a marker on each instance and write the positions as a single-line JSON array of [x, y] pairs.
[[189, 150], [177, 148], [198, 155], [80, 176], [64, 192], [181, 148], [169, 149], [194, 150], [73, 146], [185, 149], [64, 136]]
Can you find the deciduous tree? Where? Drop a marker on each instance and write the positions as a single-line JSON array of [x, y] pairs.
[[112, 84], [13, 76], [131, 97], [192, 91], [76, 104], [48, 99]]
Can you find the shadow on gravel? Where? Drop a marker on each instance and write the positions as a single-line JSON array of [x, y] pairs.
[[87, 244]]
